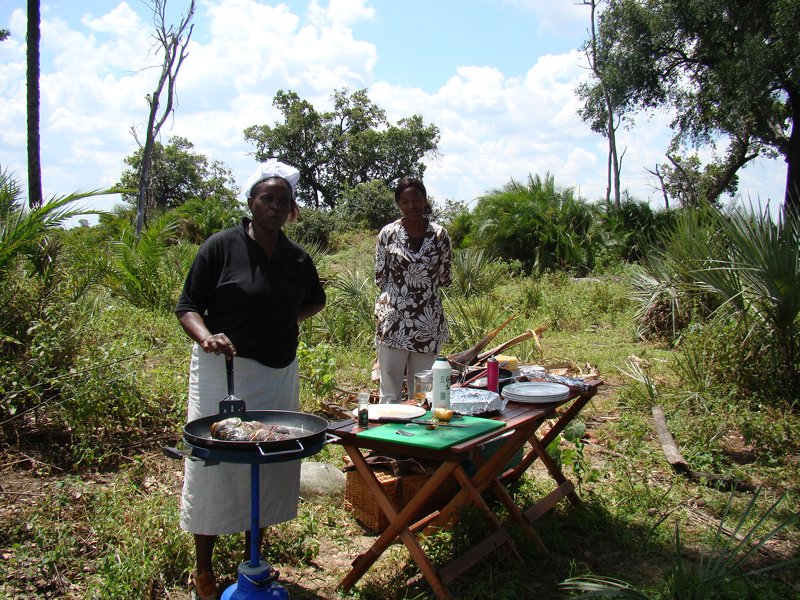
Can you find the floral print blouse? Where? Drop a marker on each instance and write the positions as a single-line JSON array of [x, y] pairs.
[[409, 312]]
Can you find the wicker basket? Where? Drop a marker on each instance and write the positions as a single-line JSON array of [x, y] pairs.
[[399, 489]]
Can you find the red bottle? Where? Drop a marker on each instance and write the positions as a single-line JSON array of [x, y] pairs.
[[492, 374]]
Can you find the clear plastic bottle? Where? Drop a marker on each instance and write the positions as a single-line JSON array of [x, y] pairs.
[[441, 383]]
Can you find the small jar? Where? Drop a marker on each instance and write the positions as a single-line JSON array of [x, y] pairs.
[[363, 409], [423, 387]]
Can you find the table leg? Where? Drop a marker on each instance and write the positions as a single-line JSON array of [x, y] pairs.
[[471, 488], [554, 470], [540, 447], [486, 472], [398, 524]]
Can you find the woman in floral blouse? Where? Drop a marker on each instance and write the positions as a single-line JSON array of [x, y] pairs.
[[412, 261]]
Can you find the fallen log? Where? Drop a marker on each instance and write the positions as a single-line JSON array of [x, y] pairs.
[[679, 464], [671, 451]]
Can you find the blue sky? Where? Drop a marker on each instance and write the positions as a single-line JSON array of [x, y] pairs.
[[496, 76]]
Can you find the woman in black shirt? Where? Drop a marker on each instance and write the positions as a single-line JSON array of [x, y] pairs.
[[245, 295]]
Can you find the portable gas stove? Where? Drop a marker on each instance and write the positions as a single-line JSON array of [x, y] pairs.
[[307, 435]]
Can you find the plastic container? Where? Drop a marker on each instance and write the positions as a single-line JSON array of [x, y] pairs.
[[423, 387], [441, 383]]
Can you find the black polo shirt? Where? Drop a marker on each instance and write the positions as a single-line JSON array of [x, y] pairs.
[[249, 297]]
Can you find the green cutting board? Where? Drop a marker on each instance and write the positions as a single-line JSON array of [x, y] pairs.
[[437, 439]]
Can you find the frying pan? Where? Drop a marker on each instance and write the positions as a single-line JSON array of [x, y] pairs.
[[305, 430]]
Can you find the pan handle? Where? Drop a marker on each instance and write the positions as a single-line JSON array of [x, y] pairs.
[[172, 452], [229, 373], [281, 452]]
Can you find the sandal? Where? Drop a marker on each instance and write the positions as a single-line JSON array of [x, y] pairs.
[[203, 586]]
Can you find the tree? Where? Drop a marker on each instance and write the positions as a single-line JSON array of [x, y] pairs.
[[32, 77], [337, 150], [203, 192], [178, 174], [728, 69], [600, 105], [368, 205], [173, 42]]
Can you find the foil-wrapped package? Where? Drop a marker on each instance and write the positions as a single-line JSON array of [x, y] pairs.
[[573, 383], [471, 401]]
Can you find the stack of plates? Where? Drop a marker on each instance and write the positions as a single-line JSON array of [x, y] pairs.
[[536, 392]]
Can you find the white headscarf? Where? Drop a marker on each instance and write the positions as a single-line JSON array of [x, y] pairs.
[[268, 170]]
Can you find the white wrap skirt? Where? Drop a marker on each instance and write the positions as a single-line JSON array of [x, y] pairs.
[[216, 499]]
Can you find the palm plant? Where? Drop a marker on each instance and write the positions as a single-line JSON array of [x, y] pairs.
[[750, 266], [148, 271], [722, 573], [475, 272], [664, 284], [469, 319], [349, 314], [543, 226], [759, 275], [24, 232], [201, 217]]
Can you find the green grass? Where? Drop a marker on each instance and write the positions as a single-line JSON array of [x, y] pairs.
[[109, 528]]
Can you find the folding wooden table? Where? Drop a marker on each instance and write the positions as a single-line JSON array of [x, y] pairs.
[[521, 423]]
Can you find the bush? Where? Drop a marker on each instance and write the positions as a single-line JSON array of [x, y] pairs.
[[544, 227], [367, 206], [315, 226]]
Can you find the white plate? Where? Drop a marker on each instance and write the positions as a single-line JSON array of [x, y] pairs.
[[393, 411], [533, 392]]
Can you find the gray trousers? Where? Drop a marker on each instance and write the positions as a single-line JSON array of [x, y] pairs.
[[395, 364]]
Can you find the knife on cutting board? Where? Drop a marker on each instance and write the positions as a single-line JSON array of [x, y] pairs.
[[420, 422]]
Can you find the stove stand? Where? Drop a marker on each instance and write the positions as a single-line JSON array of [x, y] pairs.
[[256, 579]]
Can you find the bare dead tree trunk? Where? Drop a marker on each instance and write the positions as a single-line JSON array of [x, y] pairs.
[[173, 42], [662, 184], [34, 143], [614, 164]]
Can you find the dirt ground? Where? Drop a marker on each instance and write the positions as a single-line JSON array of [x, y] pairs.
[[20, 488]]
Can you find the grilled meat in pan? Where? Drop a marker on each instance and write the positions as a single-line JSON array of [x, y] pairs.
[[235, 430]]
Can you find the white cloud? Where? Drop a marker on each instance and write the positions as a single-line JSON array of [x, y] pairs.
[[559, 17], [340, 14], [493, 127]]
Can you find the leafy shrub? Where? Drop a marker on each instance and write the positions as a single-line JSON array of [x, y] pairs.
[[731, 360], [317, 368], [315, 226], [369, 206], [476, 272], [42, 335]]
